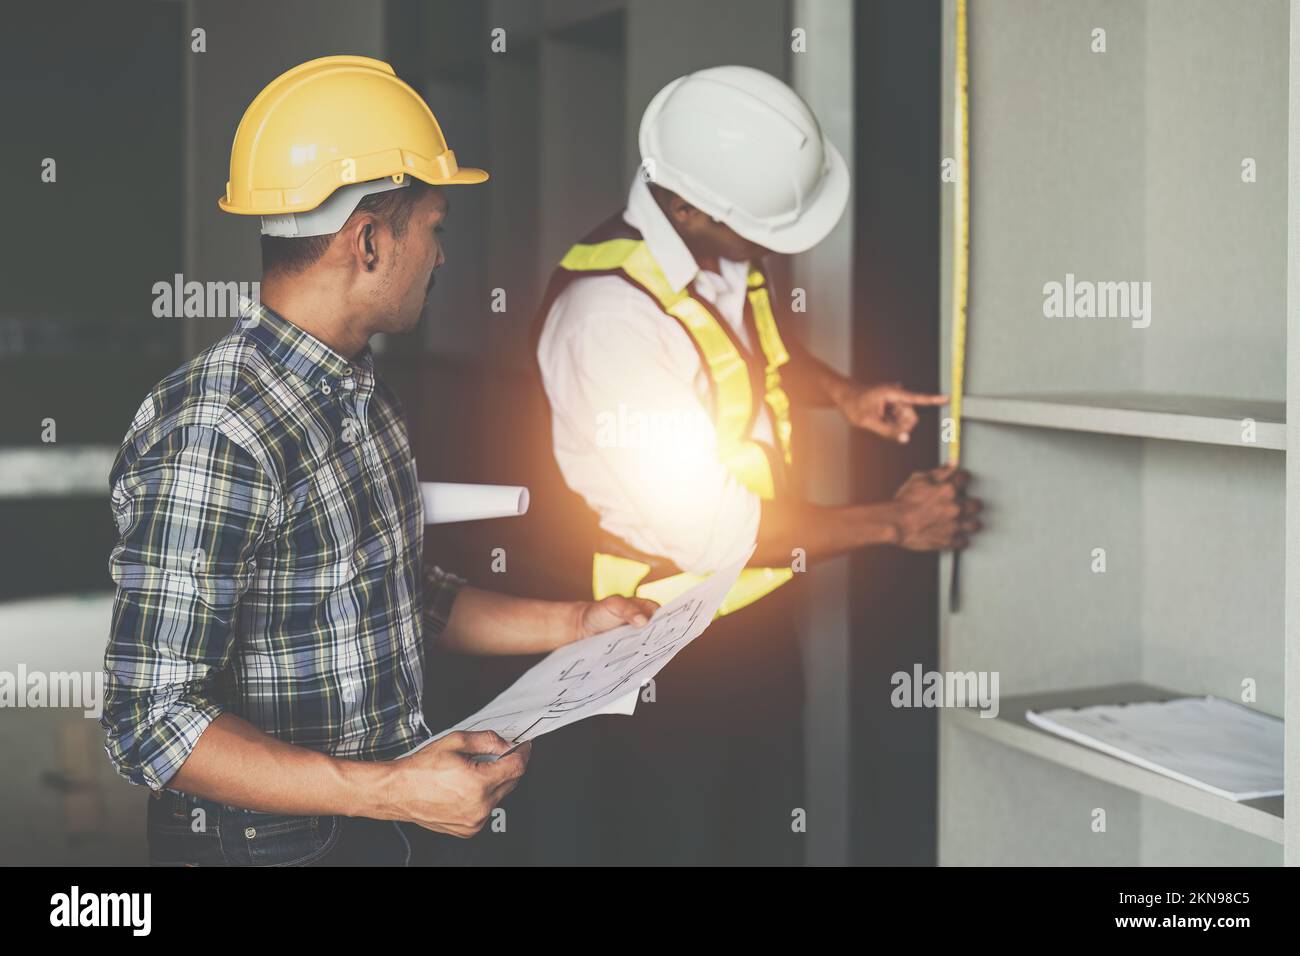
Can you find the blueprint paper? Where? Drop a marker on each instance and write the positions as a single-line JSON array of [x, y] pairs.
[[602, 674], [1209, 743], [446, 502]]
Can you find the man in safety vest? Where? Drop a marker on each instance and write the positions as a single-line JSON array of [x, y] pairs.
[[670, 385]]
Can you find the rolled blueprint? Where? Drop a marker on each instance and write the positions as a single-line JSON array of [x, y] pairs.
[[445, 502]]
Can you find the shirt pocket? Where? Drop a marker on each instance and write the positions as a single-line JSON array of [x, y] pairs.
[[412, 504], [319, 548], [406, 522], [325, 566]]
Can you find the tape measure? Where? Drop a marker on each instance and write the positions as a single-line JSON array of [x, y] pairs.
[[960, 234], [960, 262]]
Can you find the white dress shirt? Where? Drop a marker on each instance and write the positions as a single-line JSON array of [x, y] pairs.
[[630, 402]]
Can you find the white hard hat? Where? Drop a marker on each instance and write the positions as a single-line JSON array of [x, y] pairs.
[[741, 146]]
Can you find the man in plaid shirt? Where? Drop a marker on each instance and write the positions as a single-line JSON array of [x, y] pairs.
[[265, 664]]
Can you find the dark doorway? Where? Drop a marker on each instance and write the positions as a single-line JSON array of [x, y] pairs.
[[894, 609]]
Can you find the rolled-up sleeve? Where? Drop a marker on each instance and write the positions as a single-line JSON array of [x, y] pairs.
[[440, 590], [190, 513]]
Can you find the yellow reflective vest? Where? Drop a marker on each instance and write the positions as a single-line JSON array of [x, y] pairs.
[[734, 398]]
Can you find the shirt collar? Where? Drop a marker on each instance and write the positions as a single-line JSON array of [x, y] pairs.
[[299, 351], [644, 215]]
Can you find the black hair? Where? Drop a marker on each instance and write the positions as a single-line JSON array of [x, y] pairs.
[[393, 207]]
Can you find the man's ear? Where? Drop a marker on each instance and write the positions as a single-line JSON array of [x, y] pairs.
[[369, 253], [360, 237]]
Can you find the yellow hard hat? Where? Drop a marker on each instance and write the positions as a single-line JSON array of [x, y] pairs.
[[330, 123]]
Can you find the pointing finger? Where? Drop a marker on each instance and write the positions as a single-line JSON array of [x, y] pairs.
[[920, 398]]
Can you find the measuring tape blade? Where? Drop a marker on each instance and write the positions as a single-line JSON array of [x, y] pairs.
[[960, 260]]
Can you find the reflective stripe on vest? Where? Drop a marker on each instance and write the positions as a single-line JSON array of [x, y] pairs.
[[733, 394], [612, 574], [733, 407]]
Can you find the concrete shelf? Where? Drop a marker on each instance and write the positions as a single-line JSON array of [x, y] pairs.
[[1261, 817], [1188, 418]]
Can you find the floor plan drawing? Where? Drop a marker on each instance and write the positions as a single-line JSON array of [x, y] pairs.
[[602, 674]]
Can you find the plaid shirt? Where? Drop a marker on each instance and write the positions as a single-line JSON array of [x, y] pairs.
[[268, 559]]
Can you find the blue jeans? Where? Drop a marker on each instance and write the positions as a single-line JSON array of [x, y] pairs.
[[190, 831]]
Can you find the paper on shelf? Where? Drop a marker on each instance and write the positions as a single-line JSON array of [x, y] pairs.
[[446, 502], [1213, 744], [602, 674]]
